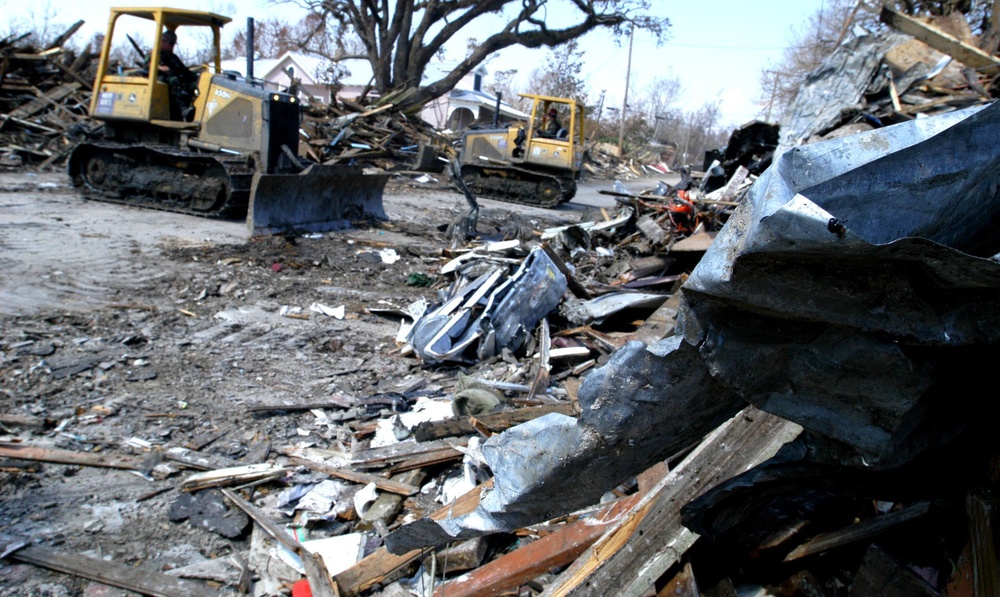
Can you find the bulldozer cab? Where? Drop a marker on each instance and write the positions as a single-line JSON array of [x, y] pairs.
[[129, 83], [555, 135]]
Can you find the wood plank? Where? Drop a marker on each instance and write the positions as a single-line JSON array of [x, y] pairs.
[[683, 584], [578, 290], [363, 478], [26, 452], [44, 100], [261, 408], [538, 557], [400, 451], [237, 475], [425, 460], [199, 460], [139, 580], [22, 420], [942, 42], [496, 422], [981, 510], [377, 567], [631, 557], [865, 529], [59, 41], [88, 85], [320, 580]]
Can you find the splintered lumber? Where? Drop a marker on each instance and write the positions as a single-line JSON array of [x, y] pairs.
[[320, 580], [495, 422], [573, 284], [24, 452], [981, 510], [629, 558], [942, 42], [59, 41], [363, 478], [144, 581], [387, 505], [378, 566], [44, 100], [406, 456], [857, 532], [237, 475], [880, 574], [538, 557], [424, 460], [683, 584]]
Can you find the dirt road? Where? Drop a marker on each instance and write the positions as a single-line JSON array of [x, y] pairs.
[[61, 252], [128, 332]]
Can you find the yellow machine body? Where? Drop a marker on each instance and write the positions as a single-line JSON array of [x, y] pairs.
[[217, 158], [522, 164]]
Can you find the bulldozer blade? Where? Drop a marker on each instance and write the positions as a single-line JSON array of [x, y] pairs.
[[318, 199]]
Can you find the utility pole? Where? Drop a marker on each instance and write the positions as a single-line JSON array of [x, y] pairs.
[[628, 74]]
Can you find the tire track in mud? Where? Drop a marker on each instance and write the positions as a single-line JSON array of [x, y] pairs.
[[59, 252]]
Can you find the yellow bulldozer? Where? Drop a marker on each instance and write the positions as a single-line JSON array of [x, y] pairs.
[[222, 145], [536, 163]]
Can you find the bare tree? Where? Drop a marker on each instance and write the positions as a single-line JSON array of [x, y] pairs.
[[271, 38], [504, 84], [659, 96], [401, 38], [40, 22], [560, 75], [311, 35], [817, 39]]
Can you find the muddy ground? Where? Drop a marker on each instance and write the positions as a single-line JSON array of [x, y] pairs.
[[128, 332]]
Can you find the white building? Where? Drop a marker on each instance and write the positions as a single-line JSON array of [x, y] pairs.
[[465, 105], [315, 75]]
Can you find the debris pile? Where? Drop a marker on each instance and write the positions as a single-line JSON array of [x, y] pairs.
[[920, 68], [602, 160], [768, 386], [345, 132], [44, 100], [815, 304]]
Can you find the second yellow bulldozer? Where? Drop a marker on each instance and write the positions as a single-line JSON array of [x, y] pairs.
[[535, 163]]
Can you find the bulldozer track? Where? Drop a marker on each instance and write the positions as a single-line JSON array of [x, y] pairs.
[[164, 178], [519, 185]]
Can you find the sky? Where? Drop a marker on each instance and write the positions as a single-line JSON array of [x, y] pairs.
[[716, 49]]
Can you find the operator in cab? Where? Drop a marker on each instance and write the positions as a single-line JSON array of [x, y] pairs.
[[179, 79], [550, 125]]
